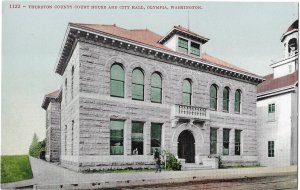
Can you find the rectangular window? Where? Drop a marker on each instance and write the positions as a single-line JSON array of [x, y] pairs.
[[72, 140], [271, 112], [226, 141], [195, 49], [213, 140], [137, 139], [116, 137], [117, 88], [182, 45], [271, 149], [137, 92], [237, 142], [155, 136], [156, 95]]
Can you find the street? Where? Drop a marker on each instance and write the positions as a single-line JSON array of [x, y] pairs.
[[264, 183]]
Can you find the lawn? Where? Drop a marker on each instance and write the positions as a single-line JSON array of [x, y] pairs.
[[15, 168]]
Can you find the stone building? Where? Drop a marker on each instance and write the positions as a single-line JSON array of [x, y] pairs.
[[277, 102], [125, 93]]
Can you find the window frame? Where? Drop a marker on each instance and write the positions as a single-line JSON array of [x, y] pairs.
[[117, 80], [271, 149], [133, 141], [237, 144], [215, 99], [213, 141], [160, 125], [134, 83], [189, 94], [237, 103], [192, 49], [226, 100], [271, 112], [122, 138], [152, 87], [182, 48], [226, 142]]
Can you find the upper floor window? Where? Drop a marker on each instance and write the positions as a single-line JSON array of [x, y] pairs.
[[72, 82], [213, 97], [137, 84], [117, 78], [186, 92], [237, 104], [226, 99], [183, 45], [271, 112], [195, 49], [156, 88]]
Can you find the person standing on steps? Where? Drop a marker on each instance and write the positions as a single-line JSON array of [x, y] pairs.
[[157, 160]]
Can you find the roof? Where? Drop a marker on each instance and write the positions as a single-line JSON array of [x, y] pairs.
[[271, 84], [290, 29], [49, 97], [185, 32], [145, 36]]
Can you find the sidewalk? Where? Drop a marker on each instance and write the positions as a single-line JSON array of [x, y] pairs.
[[50, 176]]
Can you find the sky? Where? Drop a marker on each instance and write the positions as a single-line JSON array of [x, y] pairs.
[[244, 34]]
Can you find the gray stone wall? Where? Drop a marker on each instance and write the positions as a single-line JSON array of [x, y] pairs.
[[94, 107], [53, 131]]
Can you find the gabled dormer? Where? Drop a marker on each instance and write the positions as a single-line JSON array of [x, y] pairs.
[[184, 41]]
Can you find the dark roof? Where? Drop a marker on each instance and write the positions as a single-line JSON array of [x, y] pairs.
[[271, 84], [49, 97], [293, 26], [145, 36]]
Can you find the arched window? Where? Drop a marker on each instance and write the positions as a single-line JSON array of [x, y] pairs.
[[226, 99], [117, 78], [213, 97], [156, 88], [72, 82], [237, 104], [187, 92], [137, 84]]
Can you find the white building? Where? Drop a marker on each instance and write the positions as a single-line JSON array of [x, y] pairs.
[[277, 112]]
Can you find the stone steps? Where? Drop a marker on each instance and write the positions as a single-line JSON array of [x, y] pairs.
[[187, 167]]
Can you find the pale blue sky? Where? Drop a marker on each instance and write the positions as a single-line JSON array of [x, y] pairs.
[[245, 34]]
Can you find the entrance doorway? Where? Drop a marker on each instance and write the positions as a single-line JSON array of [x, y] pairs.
[[186, 146]]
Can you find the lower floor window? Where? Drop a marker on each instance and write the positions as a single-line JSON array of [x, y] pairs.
[[137, 139], [270, 148], [116, 137], [155, 136], [237, 143], [226, 141], [213, 141]]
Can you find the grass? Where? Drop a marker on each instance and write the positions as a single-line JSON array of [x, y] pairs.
[[15, 168]]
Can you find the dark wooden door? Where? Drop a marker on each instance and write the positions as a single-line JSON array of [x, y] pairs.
[[186, 146]]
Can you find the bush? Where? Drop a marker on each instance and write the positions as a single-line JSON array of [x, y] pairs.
[[36, 146], [171, 161]]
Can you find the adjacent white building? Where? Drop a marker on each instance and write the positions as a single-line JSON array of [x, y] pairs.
[[277, 112]]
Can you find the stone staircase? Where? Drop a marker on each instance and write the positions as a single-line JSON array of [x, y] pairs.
[[193, 166]]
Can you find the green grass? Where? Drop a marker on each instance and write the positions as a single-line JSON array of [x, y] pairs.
[[15, 168]]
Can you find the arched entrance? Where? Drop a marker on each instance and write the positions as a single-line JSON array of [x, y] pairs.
[[186, 146]]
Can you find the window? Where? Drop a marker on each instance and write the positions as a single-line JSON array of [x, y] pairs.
[[72, 81], [271, 149], [237, 142], [213, 97], [182, 45], [137, 85], [156, 88], [155, 136], [72, 138], [271, 112], [213, 140], [237, 104], [137, 138], [186, 92], [195, 49], [66, 139], [116, 137], [117, 78], [226, 141], [66, 89], [226, 99]]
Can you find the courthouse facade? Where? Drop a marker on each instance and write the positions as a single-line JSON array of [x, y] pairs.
[[125, 93]]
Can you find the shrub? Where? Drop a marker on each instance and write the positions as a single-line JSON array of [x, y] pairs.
[[36, 146], [171, 161]]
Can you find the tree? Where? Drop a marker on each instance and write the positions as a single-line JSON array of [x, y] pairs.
[[35, 146]]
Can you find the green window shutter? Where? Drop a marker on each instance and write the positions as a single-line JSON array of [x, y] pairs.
[[237, 107], [116, 137], [137, 85], [155, 136], [156, 88], [213, 97], [117, 78], [226, 99], [186, 92]]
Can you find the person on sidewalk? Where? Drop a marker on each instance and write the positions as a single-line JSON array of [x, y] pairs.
[[157, 160]]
